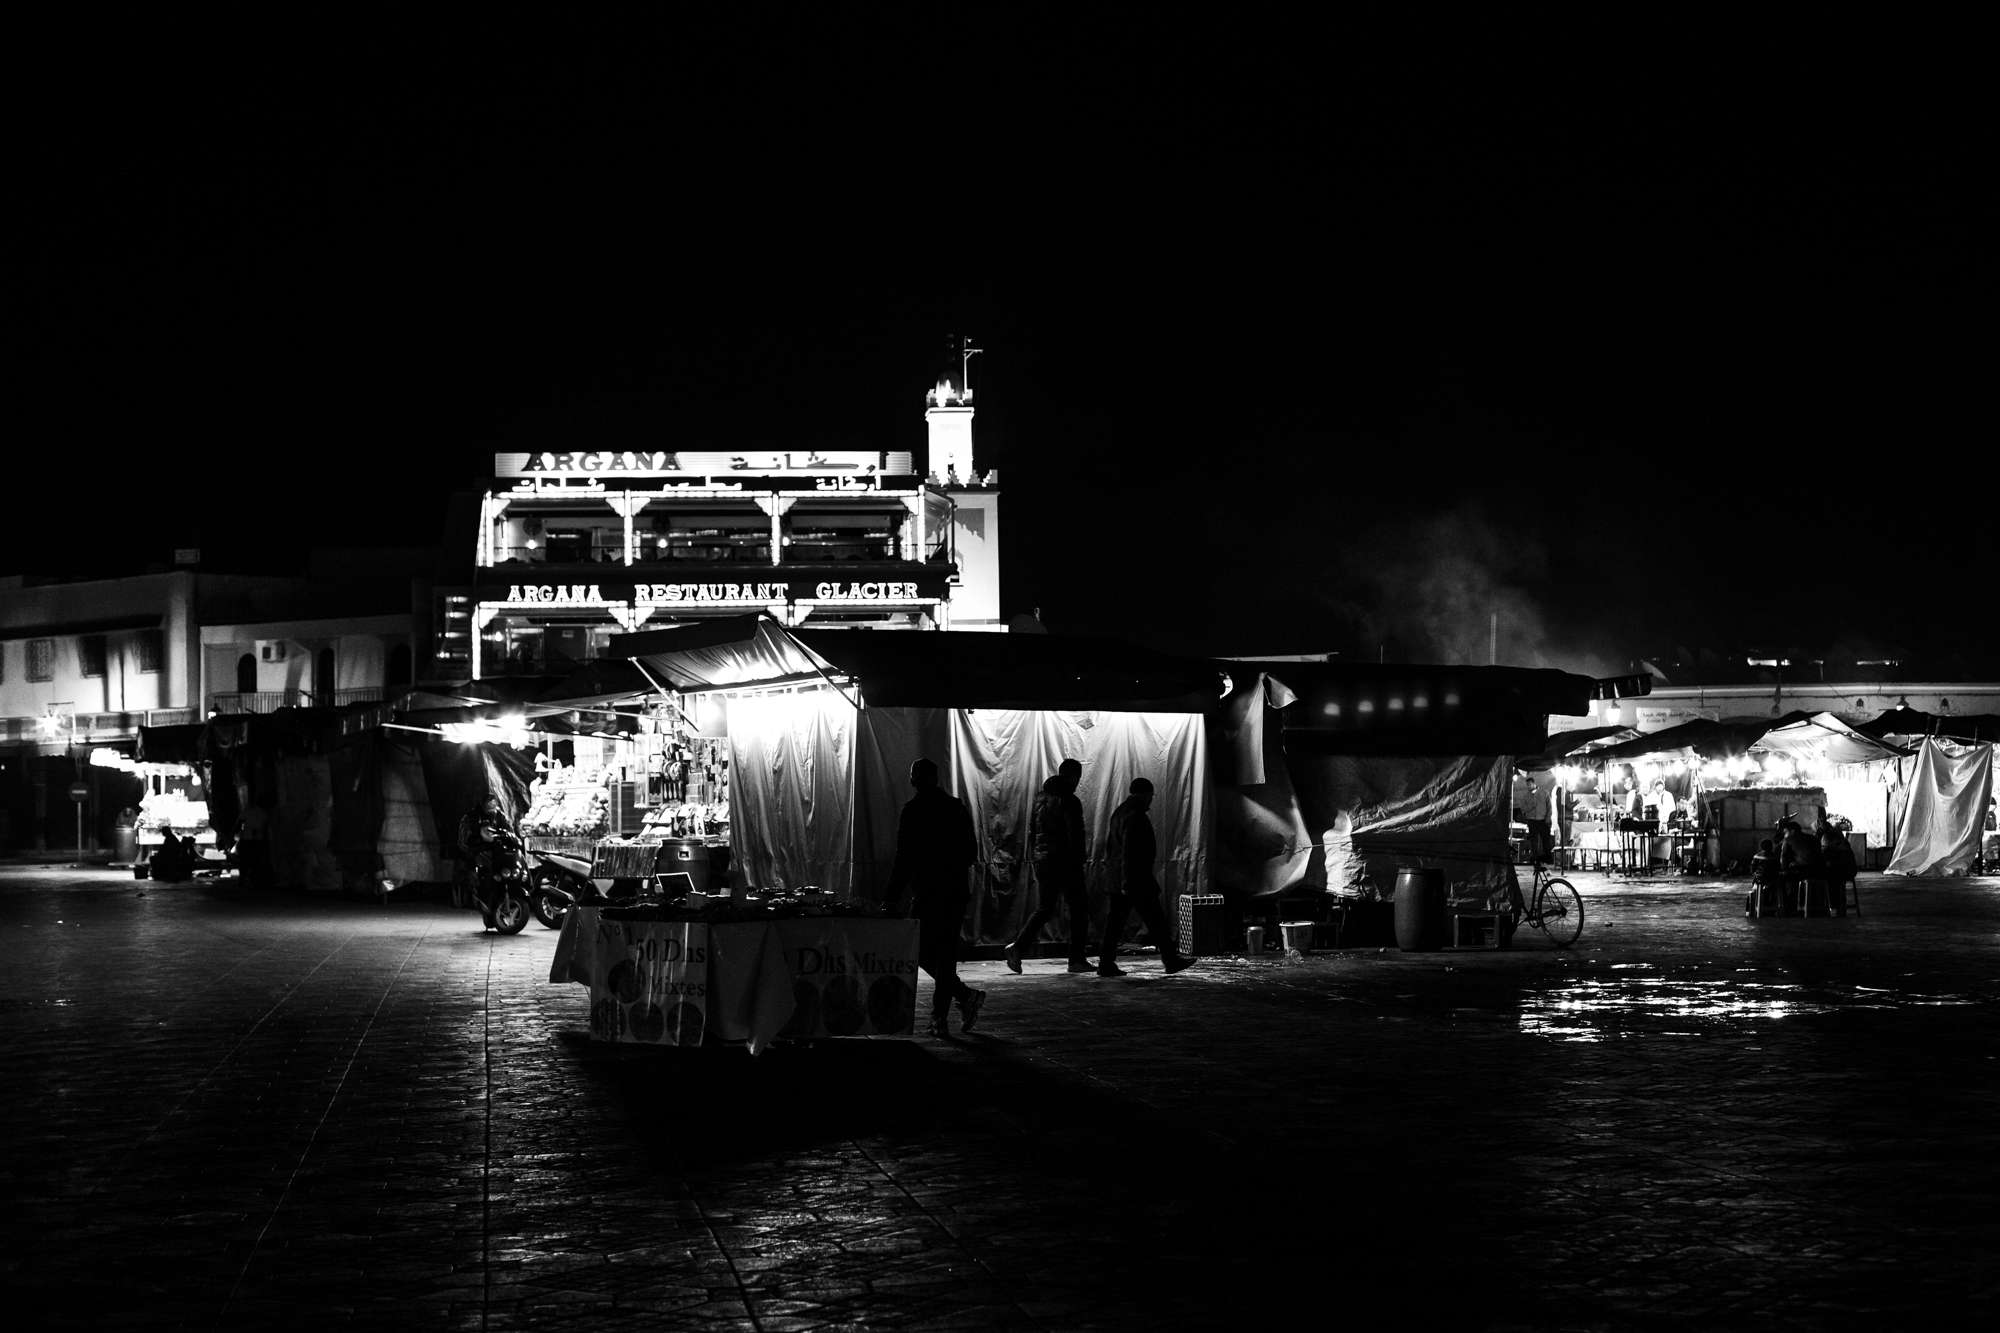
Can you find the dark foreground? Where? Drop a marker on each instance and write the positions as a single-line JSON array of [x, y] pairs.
[[226, 1112]]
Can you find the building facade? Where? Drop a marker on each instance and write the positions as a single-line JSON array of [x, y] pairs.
[[85, 663], [571, 547]]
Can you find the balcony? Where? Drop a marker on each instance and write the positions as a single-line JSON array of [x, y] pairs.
[[266, 701], [257, 701]]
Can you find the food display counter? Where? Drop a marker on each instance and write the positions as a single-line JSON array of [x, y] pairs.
[[750, 973]]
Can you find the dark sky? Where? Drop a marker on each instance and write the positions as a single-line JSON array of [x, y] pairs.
[[1296, 339]]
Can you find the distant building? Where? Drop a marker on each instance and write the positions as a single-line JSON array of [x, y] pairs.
[[85, 663], [573, 545]]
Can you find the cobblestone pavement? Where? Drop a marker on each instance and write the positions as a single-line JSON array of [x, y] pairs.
[[227, 1111]]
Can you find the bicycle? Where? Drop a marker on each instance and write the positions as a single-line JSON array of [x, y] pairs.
[[1554, 906]]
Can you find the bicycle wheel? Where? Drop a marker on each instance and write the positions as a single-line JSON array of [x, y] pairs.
[[1559, 912]]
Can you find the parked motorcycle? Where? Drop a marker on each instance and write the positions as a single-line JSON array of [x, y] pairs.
[[501, 883], [558, 883]]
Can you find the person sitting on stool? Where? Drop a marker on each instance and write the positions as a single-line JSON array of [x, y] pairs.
[[1799, 861]]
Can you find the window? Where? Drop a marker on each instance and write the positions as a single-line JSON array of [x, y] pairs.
[[41, 659], [90, 650], [152, 647]]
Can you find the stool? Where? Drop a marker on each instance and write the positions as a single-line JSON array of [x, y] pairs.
[[1850, 894], [1815, 896], [1770, 899]]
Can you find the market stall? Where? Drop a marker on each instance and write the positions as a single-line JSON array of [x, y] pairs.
[[821, 726], [783, 967], [175, 804]]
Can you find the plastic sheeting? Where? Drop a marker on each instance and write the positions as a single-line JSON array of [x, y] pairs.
[[408, 841], [1948, 788]]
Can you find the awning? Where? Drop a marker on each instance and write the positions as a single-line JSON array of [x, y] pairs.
[[1914, 722], [1699, 738], [925, 668], [182, 744], [1826, 738], [1565, 745]]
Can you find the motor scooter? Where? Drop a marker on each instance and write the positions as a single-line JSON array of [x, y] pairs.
[[558, 883], [500, 885]]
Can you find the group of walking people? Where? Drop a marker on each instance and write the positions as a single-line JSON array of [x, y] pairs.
[[936, 848]]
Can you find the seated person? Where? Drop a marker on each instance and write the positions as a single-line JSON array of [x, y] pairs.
[[171, 862], [1799, 862], [1763, 873]]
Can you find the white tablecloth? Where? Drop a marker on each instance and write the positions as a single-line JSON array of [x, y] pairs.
[[683, 982]]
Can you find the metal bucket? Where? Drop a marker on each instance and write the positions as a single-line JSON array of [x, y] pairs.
[[1420, 910], [684, 856]]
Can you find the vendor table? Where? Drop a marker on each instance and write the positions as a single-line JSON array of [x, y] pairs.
[[679, 983]]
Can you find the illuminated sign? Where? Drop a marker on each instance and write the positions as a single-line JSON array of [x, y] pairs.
[[709, 594], [864, 592], [690, 595], [616, 464], [560, 594]]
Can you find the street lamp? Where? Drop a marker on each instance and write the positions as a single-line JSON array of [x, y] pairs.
[[58, 726]]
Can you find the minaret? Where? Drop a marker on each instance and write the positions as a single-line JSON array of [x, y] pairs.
[[975, 497], [950, 418]]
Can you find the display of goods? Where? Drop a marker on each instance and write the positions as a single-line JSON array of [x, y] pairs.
[[568, 802], [171, 810], [689, 820]]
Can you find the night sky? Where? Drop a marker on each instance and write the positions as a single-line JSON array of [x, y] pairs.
[[1295, 339]]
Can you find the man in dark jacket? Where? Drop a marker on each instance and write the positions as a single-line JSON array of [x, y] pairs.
[[1130, 852], [930, 880], [1055, 843]]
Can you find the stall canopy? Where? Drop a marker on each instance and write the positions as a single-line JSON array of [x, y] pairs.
[[925, 670], [1916, 722], [1565, 746], [1699, 738], [1824, 738], [818, 776]]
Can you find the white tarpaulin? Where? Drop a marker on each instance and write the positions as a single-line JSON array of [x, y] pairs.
[[1947, 788], [999, 760], [817, 788]]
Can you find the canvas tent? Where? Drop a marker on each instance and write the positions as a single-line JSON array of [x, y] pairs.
[[1331, 777], [822, 726]]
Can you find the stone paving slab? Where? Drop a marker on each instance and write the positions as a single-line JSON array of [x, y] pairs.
[[226, 1111]]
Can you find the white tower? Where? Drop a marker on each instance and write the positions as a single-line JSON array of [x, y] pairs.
[[975, 519], [950, 418]]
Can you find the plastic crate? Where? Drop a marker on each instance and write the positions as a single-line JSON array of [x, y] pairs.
[[1198, 932], [1475, 928]]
